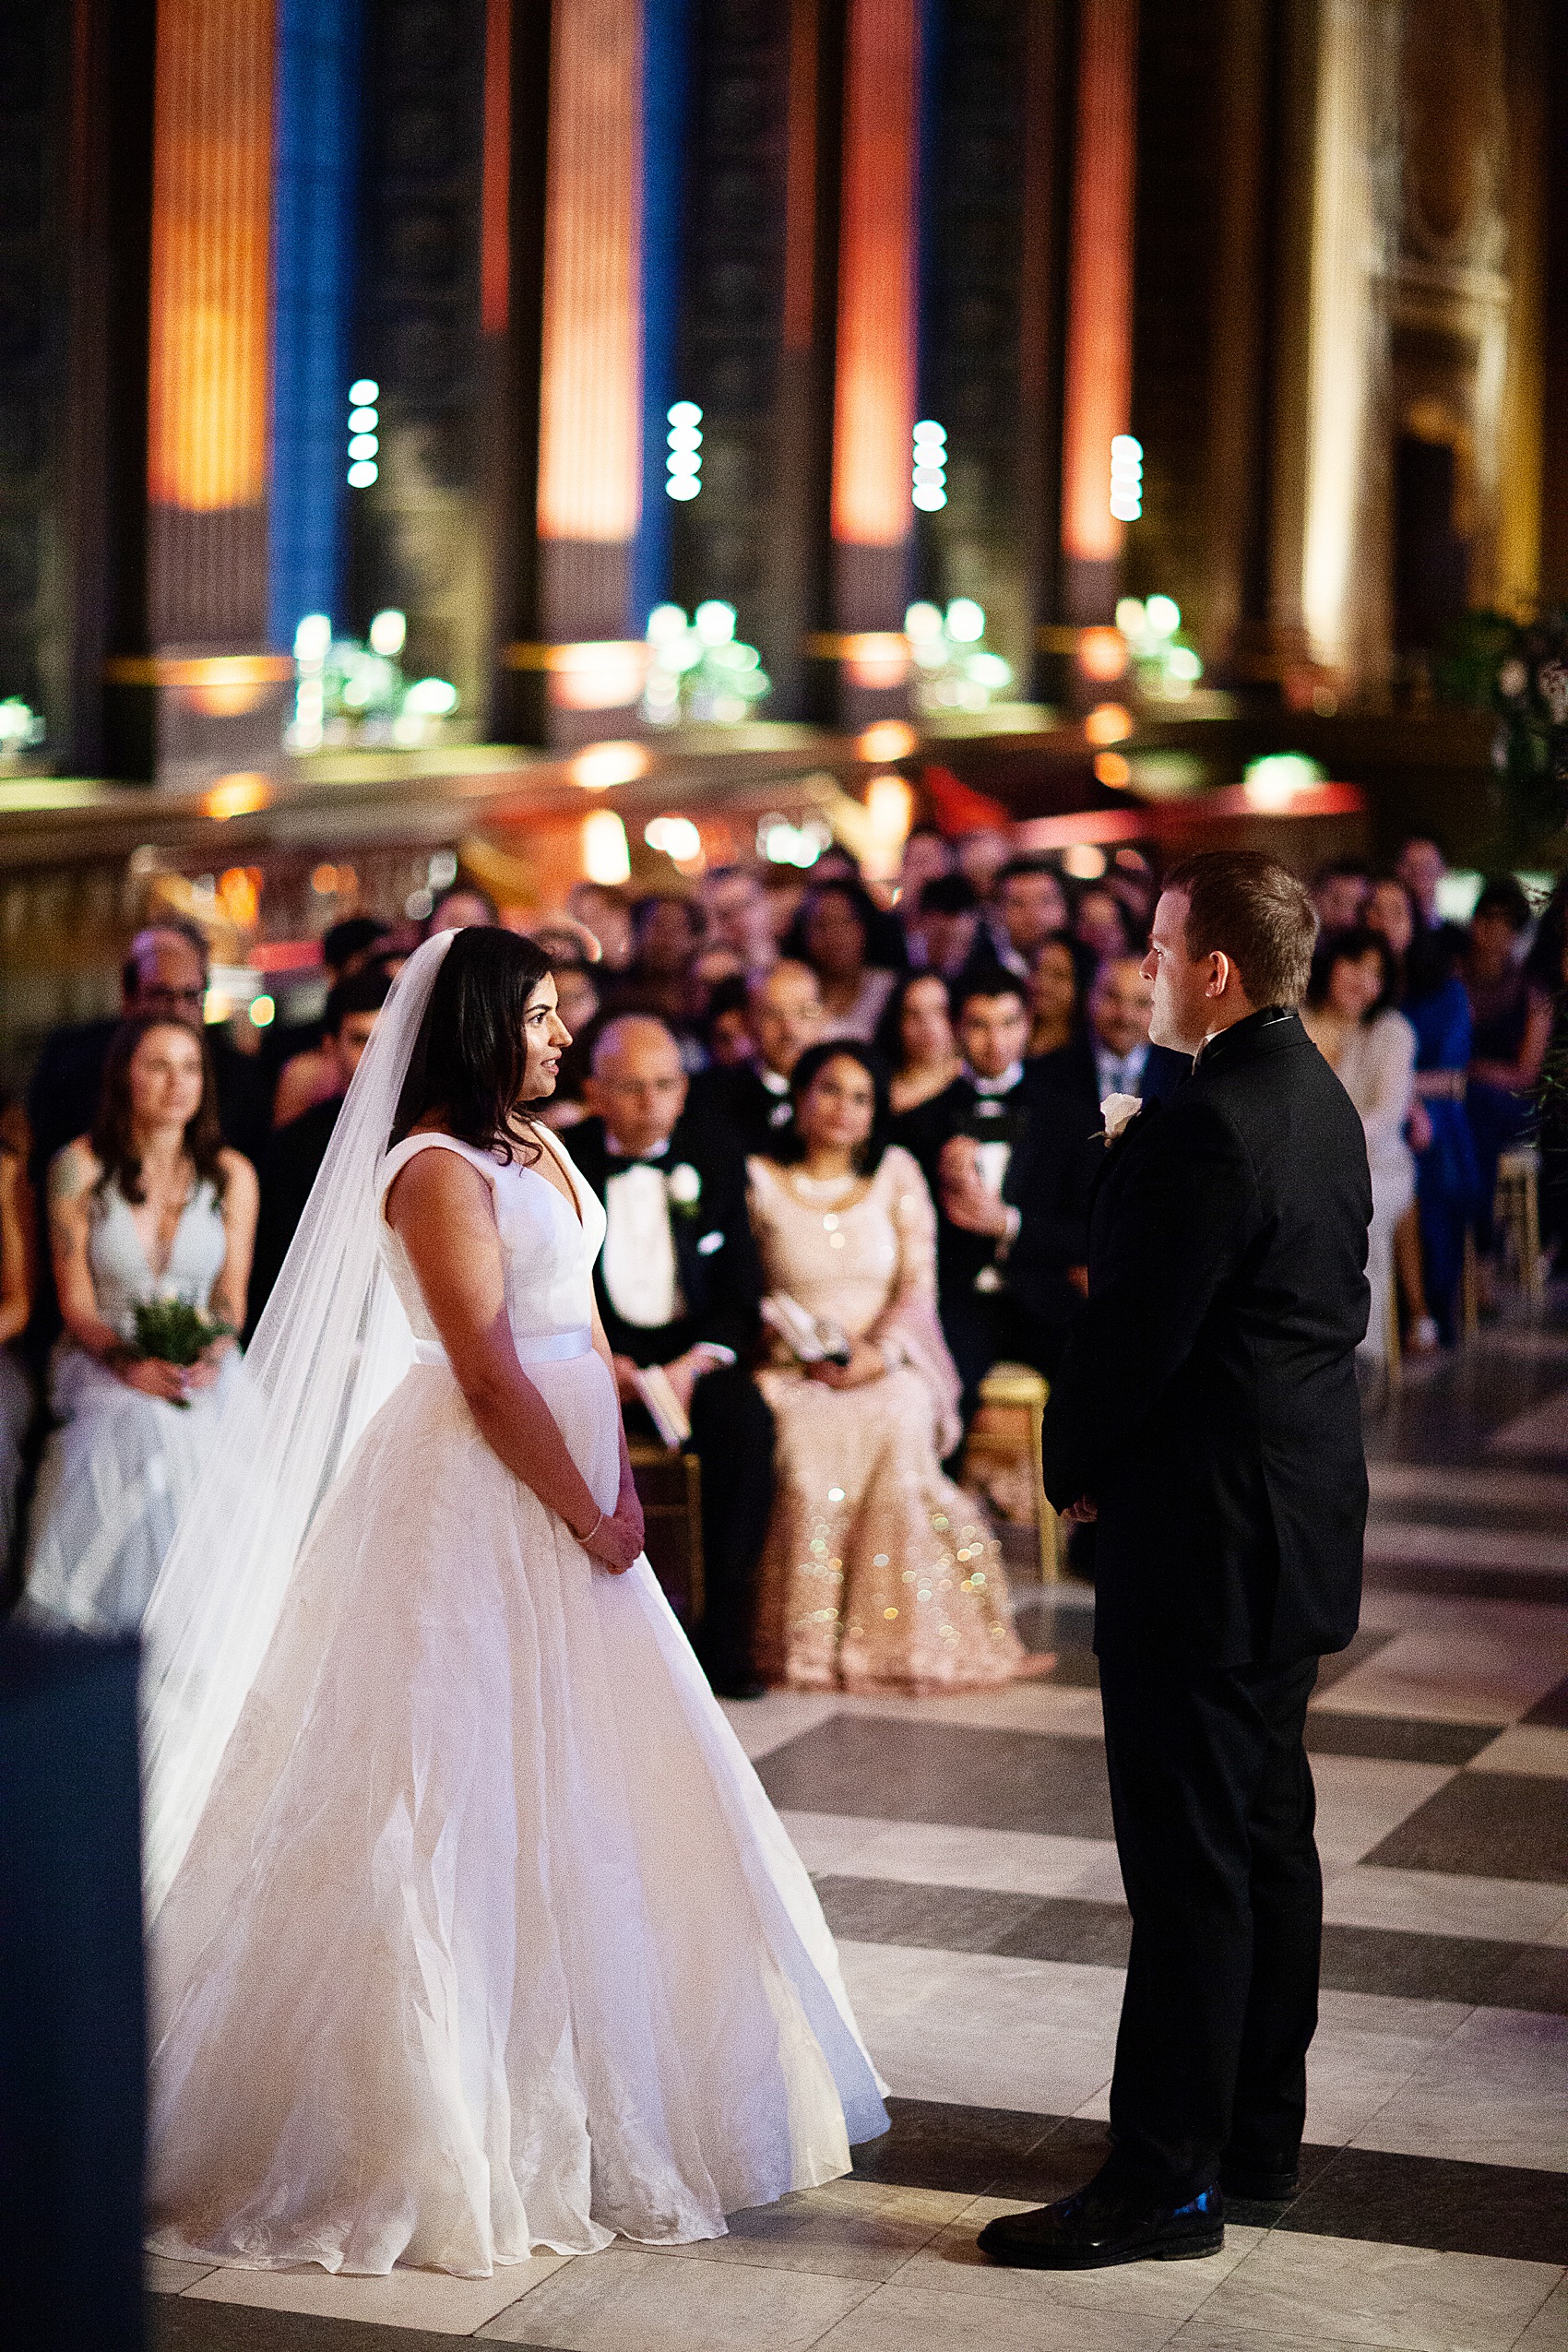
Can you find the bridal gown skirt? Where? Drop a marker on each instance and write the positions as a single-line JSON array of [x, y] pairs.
[[488, 1938]]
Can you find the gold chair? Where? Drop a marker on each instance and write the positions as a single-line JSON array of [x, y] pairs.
[[670, 1490], [1516, 1211], [1002, 1459]]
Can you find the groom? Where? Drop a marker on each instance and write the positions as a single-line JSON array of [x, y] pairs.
[[1207, 1417]]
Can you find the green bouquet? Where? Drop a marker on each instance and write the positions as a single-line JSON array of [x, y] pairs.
[[174, 1332]]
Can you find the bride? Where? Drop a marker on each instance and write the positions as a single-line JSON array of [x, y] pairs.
[[472, 1929]]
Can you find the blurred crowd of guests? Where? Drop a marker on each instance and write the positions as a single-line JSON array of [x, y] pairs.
[[846, 1138]]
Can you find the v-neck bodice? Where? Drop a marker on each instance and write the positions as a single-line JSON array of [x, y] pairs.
[[123, 1275]]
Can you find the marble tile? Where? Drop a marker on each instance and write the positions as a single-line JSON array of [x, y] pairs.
[[1469, 1969], [1448, 2206], [1319, 2289], [850, 2230], [904, 2318], [1209, 2333], [943, 1773], [1456, 1669], [1357, 2064], [982, 2029], [1167, 2292], [1008, 1861], [1360, 1800], [1440, 1902], [1472, 1485], [761, 1725], [1514, 1824], [1365, 1643], [1548, 2331], [1396, 1739], [1396, 1542], [1070, 1712], [938, 2143], [641, 2302], [165, 2276], [1537, 1748], [1542, 1429], [415, 2298], [1495, 2093], [946, 1919], [1537, 1980], [1554, 1708]]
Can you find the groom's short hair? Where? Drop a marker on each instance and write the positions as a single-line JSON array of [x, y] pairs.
[[1255, 910]]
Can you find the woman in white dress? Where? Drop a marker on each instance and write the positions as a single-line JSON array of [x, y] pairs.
[[152, 1204], [473, 1930], [1350, 1019]]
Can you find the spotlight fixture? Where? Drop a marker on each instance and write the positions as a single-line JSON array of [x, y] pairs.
[[928, 489], [364, 441], [683, 465]]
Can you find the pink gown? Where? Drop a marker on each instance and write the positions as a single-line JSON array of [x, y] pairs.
[[879, 1573]]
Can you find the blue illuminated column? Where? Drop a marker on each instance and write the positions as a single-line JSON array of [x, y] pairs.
[[314, 183]]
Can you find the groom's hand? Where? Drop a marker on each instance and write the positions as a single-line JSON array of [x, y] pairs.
[[1080, 1514]]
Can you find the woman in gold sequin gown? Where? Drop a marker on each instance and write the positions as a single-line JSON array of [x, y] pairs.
[[879, 1573]]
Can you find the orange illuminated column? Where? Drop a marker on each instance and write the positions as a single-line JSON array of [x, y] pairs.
[[1099, 364], [209, 351], [590, 391], [875, 392]]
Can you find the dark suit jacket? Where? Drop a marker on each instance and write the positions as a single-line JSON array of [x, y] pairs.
[[1207, 1396], [290, 1166], [62, 1099], [721, 1279], [1072, 1070], [735, 1112], [960, 1255]]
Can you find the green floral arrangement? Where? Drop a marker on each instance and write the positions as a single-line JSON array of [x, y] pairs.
[[174, 1332], [1519, 671]]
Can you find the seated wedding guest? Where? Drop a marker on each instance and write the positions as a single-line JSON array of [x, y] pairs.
[[966, 1141], [981, 854], [603, 914], [1029, 906], [747, 1105], [940, 932], [1100, 922], [667, 930], [1340, 894], [1112, 1054], [165, 971], [18, 1248], [1056, 992], [928, 855], [836, 933], [1447, 1178], [679, 1287], [151, 1207], [461, 908], [725, 1034], [736, 907], [1511, 1025], [916, 1041], [879, 1574], [576, 1002], [1420, 865], [310, 1074], [1349, 1015], [294, 1156], [1131, 878], [1392, 913]]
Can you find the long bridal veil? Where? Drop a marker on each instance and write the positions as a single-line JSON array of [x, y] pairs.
[[332, 1344]]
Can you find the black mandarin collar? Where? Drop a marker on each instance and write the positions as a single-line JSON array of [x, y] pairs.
[[1277, 1025]]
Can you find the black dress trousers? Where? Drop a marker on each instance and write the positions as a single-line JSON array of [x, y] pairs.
[[1214, 1806], [733, 1438]]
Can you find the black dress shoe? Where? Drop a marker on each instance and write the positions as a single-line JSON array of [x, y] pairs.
[[1102, 2226], [1260, 2180], [737, 1686]]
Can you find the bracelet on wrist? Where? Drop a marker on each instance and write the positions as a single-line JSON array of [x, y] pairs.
[[586, 1539]]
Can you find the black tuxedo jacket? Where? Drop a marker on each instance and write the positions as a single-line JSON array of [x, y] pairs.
[[733, 1112], [715, 1257], [1207, 1396], [961, 1255], [1072, 1070]]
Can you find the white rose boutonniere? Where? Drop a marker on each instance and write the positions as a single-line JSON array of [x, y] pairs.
[[684, 1187], [1119, 1111]]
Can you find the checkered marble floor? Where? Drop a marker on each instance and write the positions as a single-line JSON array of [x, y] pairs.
[[963, 1851]]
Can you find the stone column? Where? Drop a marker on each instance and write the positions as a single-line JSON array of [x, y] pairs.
[[1098, 370]]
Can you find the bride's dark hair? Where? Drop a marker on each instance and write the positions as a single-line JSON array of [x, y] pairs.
[[470, 1056]]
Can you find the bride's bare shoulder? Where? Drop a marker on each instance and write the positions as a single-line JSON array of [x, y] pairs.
[[436, 1186]]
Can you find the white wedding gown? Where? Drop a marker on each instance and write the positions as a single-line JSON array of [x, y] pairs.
[[488, 1938]]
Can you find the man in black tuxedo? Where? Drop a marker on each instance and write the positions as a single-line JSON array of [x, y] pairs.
[[679, 1284], [1206, 1418], [747, 1108], [993, 1146], [1112, 1053]]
